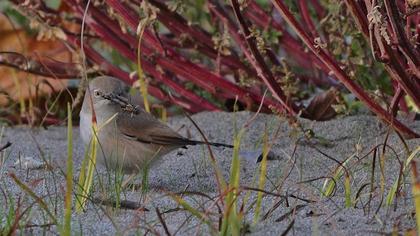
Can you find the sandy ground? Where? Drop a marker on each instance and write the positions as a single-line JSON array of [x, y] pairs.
[[294, 179]]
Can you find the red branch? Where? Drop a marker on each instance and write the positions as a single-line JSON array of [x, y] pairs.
[[339, 73], [260, 66], [190, 71]]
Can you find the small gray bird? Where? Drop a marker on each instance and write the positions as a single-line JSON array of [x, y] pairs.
[[129, 138]]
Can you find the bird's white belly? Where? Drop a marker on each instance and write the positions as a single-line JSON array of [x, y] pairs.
[[129, 156], [116, 152]]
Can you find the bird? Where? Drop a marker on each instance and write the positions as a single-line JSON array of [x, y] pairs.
[[130, 139]]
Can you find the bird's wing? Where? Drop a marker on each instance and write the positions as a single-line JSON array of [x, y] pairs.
[[144, 127]]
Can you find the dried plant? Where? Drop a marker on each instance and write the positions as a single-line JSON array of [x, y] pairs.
[[200, 55]]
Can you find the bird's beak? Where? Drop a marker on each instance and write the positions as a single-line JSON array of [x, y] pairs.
[[121, 99]]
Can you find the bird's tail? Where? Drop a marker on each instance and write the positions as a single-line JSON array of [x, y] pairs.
[[181, 141], [195, 142]]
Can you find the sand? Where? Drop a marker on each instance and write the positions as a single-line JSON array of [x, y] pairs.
[[297, 170]]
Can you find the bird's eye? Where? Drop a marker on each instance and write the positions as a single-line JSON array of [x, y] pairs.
[[97, 93]]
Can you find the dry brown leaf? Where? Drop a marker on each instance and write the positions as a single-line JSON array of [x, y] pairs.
[[21, 85], [320, 108]]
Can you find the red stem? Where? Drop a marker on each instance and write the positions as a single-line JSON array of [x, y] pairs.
[[400, 75], [59, 70], [291, 45], [179, 26], [399, 93], [319, 9], [393, 62], [113, 40], [403, 43], [124, 76], [339, 73], [190, 71], [303, 7], [260, 66]]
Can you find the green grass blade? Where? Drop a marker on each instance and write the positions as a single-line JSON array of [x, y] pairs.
[[22, 106], [382, 176], [69, 175], [86, 176], [329, 185], [89, 165], [82, 176], [32, 194], [92, 163], [231, 219], [193, 211], [347, 191], [262, 178], [391, 195], [416, 188], [140, 72]]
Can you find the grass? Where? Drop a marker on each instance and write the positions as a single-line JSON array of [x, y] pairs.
[[235, 207], [276, 196], [232, 215], [87, 172], [3, 154], [8, 213], [89, 164], [231, 223], [22, 107], [34, 196], [146, 21], [69, 175], [415, 184], [396, 185], [330, 185], [262, 177]]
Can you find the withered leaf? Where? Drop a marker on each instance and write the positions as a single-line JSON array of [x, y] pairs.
[[320, 108]]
